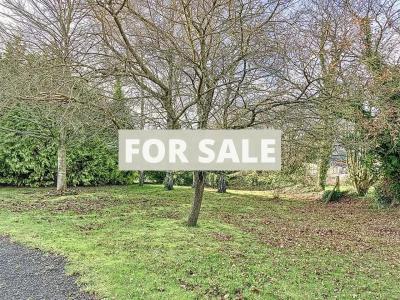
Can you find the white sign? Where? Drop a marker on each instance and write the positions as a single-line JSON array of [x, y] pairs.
[[199, 149]]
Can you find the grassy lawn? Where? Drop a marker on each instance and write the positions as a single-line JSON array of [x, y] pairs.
[[132, 243]]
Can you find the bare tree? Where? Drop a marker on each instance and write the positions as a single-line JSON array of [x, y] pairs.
[[55, 30], [192, 57]]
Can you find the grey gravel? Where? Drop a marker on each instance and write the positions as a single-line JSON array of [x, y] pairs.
[[32, 274]]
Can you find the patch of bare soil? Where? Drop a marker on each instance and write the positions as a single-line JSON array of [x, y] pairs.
[[346, 226]]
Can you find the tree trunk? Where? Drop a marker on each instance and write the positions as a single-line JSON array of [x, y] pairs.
[[362, 190], [142, 123], [323, 167], [141, 178], [62, 164], [335, 188], [169, 181], [198, 197], [359, 170], [222, 185], [172, 123], [194, 180]]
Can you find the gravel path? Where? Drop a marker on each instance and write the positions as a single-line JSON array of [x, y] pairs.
[[31, 274]]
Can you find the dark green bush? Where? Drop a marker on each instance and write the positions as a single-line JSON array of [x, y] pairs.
[[26, 161], [93, 163], [387, 189], [155, 176], [183, 178], [28, 156]]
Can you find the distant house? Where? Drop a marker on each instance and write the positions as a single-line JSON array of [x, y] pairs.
[[338, 166]]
